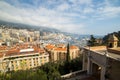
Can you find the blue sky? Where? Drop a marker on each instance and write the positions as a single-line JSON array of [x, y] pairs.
[[98, 17]]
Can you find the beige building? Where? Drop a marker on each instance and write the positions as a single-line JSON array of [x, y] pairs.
[[112, 41], [22, 57], [59, 52], [101, 62]]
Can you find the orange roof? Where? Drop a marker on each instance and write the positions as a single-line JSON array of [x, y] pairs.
[[15, 50], [50, 46], [39, 50], [12, 52], [73, 47], [3, 47], [61, 45], [60, 49], [1, 55]]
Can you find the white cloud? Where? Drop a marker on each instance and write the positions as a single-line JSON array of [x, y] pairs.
[[85, 1], [107, 12], [81, 1], [73, 28], [111, 11], [88, 10], [40, 16], [62, 15], [63, 7]]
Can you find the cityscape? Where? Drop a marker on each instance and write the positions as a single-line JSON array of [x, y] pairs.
[[59, 40]]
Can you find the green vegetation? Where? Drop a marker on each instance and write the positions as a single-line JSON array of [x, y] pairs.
[[49, 71], [95, 41], [68, 53], [92, 40], [67, 62], [24, 75]]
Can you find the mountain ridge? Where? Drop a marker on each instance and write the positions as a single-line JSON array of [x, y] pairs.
[[27, 26], [42, 29]]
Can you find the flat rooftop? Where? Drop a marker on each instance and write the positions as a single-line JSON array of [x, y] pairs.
[[109, 54], [113, 53], [117, 49]]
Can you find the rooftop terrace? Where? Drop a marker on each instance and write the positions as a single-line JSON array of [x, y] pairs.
[[113, 53]]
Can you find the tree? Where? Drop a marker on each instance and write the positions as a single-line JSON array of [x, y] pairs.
[[68, 53], [29, 75], [67, 62], [92, 40], [51, 70], [76, 64]]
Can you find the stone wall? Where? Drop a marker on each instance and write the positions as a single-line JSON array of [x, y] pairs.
[[113, 51], [114, 70]]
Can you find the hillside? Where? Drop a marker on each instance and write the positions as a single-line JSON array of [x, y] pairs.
[[29, 27], [45, 29]]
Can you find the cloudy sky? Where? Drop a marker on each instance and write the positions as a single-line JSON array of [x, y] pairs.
[[76, 16]]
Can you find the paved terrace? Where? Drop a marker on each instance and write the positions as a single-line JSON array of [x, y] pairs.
[[103, 50], [79, 75], [75, 75]]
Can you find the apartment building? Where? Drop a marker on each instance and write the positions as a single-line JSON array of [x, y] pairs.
[[59, 52], [21, 57]]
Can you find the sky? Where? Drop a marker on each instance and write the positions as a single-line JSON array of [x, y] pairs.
[[98, 17]]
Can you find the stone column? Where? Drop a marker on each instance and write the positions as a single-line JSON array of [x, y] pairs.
[[47, 58], [89, 64], [89, 67], [39, 61], [83, 66], [10, 66], [103, 70], [18, 64], [32, 62]]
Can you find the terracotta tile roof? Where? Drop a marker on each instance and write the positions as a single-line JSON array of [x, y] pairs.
[[15, 50], [50, 46], [1, 55], [61, 45], [3, 47], [60, 49], [74, 47], [12, 52], [39, 50]]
